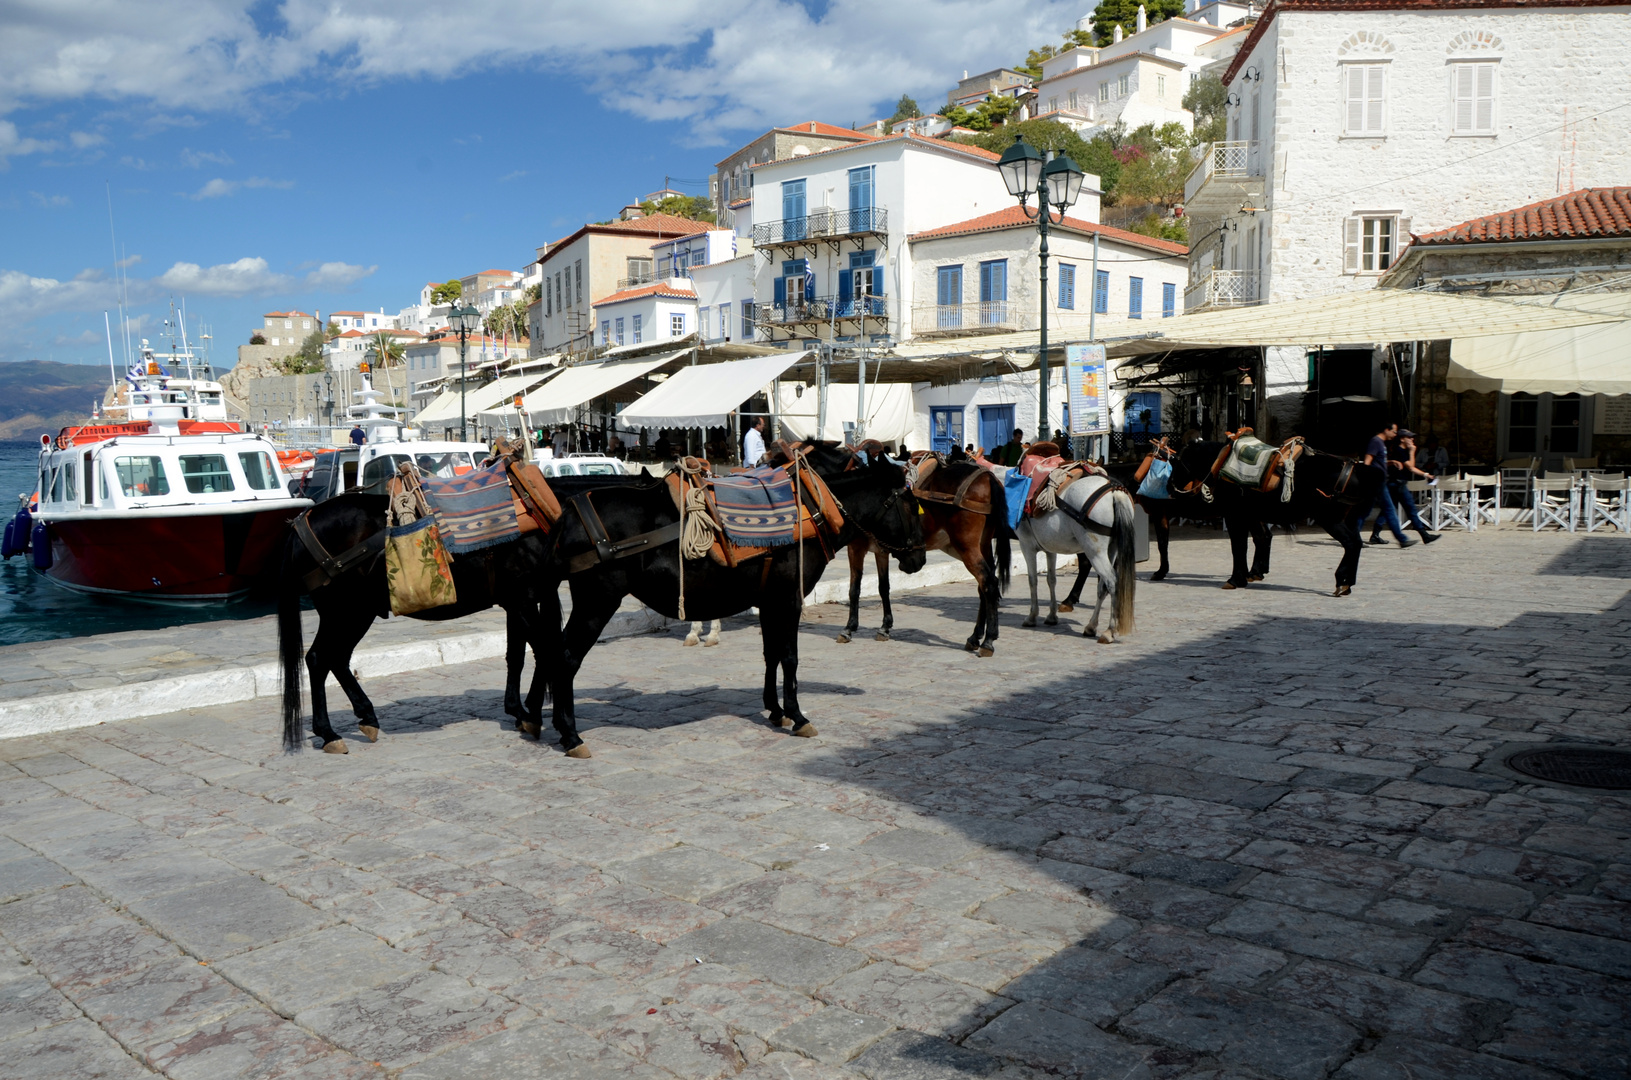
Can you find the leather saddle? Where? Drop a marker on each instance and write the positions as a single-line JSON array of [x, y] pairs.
[[819, 515], [1249, 462]]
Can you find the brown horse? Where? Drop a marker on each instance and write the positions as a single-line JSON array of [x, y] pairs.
[[965, 513]]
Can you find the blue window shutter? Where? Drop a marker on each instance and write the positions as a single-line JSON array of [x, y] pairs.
[[780, 290], [845, 289], [1101, 292], [1135, 298], [985, 283], [1169, 300]]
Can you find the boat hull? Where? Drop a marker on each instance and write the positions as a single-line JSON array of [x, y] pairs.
[[193, 558]]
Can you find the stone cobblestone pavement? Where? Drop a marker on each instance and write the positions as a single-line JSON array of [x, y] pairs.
[[1268, 836]]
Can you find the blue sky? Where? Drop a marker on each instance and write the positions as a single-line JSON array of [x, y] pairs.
[[315, 155]]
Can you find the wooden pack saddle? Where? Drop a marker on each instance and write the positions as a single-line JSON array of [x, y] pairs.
[[820, 517], [1247, 461]]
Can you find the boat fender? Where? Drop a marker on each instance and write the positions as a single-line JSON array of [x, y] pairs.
[[40, 540]]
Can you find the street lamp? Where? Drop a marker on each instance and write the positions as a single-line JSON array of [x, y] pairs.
[[1057, 182], [464, 320], [328, 389]]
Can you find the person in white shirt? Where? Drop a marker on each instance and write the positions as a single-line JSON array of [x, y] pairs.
[[560, 443], [753, 443]]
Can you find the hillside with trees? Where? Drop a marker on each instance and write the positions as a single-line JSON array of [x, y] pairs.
[[40, 396]]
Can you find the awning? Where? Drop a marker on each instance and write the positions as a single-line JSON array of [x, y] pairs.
[[1584, 360], [446, 407], [554, 402], [888, 411], [706, 394], [1376, 315]]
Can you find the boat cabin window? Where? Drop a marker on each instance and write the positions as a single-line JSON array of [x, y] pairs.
[[142, 475], [63, 488], [102, 481], [563, 469], [89, 470], [382, 468], [597, 468], [206, 474], [452, 463], [258, 470]]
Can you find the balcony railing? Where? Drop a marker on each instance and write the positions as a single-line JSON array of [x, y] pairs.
[[1238, 161], [824, 223], [1222, 288], [652, 278], [821, 309], [986, 316]]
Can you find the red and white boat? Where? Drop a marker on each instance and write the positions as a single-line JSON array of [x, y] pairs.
[[176, 502]]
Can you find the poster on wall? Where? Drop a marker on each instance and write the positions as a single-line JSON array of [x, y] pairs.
[[1089, 390], [1613, 415]]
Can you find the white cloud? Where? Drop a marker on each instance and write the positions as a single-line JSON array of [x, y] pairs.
[[14, 145], [194, 158], [218, 188], [715, 66], [239, 278], [83, 140], [337, 275], [24, 297], [49, 202]]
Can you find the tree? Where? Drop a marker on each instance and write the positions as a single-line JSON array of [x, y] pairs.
[[447, 292], [905, 109], [1034, 59], [1124, 13], [332, 330], [257, 338], [1155, 163], [508, 319], [385, 351], [307, 359], [990, 113], [534, 293], [691, 207], [1207, 98], [1096, 157], [1161, 228]]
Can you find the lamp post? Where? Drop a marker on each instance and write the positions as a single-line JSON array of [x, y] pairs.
[[1057, 182], [328, 403], [464, 320]]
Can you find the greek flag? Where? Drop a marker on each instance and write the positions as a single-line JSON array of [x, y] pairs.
[[809, 279]]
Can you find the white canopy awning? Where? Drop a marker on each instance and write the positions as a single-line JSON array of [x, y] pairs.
[[1377, 315], [888, 411], [554, 402], [446, 406], [706, 394]]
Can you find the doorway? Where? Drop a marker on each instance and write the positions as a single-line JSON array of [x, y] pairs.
[[1548, 426], [996, 426], [945, 427]]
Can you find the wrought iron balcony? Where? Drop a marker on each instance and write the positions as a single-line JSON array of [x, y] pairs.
[[976, 318], [821, 309], [1222, 288], [652, 278], [823, 224], [1226, 170]]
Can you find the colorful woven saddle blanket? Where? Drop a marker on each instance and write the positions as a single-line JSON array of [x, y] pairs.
[[757, 508], [1248, 461], [473, 511]]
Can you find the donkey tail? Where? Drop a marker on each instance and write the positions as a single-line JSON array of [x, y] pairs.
[[288, 644], [1122, 561], [999, 521]]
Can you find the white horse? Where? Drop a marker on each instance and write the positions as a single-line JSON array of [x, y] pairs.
[[696, 633], [1104, 533]]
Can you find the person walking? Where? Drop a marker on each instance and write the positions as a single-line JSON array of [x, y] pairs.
[[1011, 452], [1376, 458], [753, 443], [1401, 463]]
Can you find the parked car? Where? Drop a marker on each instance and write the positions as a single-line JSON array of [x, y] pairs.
[[583, 465]]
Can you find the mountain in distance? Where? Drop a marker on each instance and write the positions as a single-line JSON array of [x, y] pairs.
[[43, 396]]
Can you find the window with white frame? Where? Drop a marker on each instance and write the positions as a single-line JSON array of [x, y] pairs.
[[1364, 91], [606, 332], [1053, 104], [747, 320], [1371, 241], [1160, 86], [724, 320], [676, 324], [1104, 91], [637, 337], [620, 331], [1123, 84], [1073, 99], [702, 320], [1472, 90]]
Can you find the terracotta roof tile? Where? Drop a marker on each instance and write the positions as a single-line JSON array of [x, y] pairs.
[[921, 140], [1589, 213], [816, 127], [661, 288], [1013, 218]]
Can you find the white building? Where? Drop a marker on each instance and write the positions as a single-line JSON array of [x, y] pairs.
[[725, 301], [1139, 79], [1353, 127], [426, 317], [363, 320], [437, 358], [830, 231], [659, 311], [349, 348]]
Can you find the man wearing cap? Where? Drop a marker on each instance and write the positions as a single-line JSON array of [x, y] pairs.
[[1376, 458], [1401, 468]]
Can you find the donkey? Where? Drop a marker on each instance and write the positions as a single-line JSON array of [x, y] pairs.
[[965, 512], [874, 498], [351, 599], [1327, 489], [1093, 518]]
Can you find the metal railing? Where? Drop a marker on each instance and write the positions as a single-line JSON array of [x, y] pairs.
[[1222, 288], [984, 315], [1235, 160], [824, 222], [653, 277], [822, 309]]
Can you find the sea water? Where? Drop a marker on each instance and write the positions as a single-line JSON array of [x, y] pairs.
[[35, 608]]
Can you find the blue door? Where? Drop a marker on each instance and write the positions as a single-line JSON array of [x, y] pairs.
[[1143, 414], [860, 199], [793, 210], [996, 426], [948, 297], [945, 427]]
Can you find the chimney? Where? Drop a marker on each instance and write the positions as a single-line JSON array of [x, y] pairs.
[[965, 74], [1143, 19], [1115, 35], [812, 125]]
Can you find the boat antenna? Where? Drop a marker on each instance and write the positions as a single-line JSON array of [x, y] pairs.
[[112, 378], [113, 238]]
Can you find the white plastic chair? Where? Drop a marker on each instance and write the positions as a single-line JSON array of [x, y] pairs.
[[1553, 503], [1452, 504], [1607, 501], [1486, 498]]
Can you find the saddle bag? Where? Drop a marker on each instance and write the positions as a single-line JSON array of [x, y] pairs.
[[1154, 484], [1248, 461], [417, 568]]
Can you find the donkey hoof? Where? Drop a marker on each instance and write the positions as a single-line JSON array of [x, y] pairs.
[[1028, 623], [580, 751], [1159, 575], [710, 643], [806, 730], [1343, 590], [970, 645], [1106, 639], [1253, 577], [881, 635], [531, 730], [844, 638], [689, 641], [370, 732], [1229, 585], [782, 721], [986, 650], [335, 746], [1051, 620], [1067, 606]]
